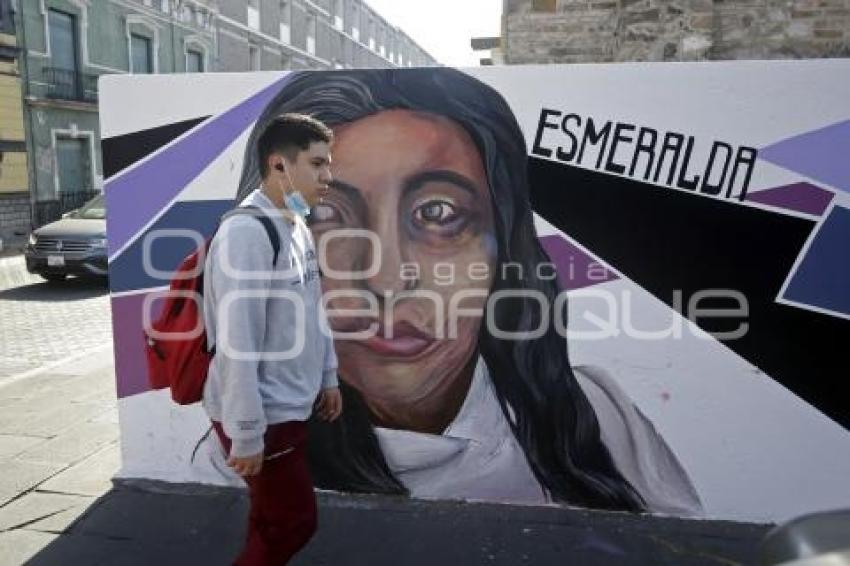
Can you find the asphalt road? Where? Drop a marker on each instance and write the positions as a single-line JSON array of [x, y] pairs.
[[44, 323]]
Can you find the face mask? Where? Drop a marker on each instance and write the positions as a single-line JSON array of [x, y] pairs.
[[297, 204]]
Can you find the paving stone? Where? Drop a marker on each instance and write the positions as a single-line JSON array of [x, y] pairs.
[[93, 476], [17, 547], [74, 444], [18, 477], [73, 549], [49, 419], [36, 506], [12, 445], [61, 522]]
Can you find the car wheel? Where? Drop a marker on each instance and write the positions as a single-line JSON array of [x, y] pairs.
[[54, 277]]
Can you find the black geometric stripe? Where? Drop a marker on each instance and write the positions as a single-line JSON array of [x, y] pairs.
[[122, 151], [667, 239]]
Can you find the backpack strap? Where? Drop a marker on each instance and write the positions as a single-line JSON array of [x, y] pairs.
[[271, 231]]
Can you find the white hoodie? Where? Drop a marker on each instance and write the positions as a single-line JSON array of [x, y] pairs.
[[273, 350]]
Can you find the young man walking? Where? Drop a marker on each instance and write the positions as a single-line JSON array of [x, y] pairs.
[[274, 361]]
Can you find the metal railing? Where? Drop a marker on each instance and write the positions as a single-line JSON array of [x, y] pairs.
[[47, 211], [66, 84]]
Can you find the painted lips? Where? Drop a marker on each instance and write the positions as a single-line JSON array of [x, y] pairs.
[[405, 341]]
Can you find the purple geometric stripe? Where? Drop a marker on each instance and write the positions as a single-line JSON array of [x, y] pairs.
[[819, 154], [131, 364], [823, 277], [802, 197], [576, 269], [134, 198]]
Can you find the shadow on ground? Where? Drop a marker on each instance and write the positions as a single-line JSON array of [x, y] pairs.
[[71, 289], [165, 525]]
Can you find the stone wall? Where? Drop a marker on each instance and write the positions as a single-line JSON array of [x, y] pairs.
[[575, 31], [14, 219]]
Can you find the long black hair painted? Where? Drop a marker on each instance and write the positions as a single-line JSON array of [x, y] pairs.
[[548, 412]]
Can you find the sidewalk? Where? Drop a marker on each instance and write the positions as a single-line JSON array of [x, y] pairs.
[[59, 449]]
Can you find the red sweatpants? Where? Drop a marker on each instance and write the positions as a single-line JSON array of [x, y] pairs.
[[283, 504]]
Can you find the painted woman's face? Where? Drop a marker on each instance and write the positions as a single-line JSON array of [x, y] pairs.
[[417, 183]]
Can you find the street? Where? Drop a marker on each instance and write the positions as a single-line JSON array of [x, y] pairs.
[[45, 323]]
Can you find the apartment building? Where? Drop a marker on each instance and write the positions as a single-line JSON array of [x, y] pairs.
[[305, 34]]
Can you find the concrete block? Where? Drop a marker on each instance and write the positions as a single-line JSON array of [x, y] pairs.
[[61, 522], [73, 445], [47, 418], [36, 507], [11, 445], [19, 477], [18, 547], [92, 476]]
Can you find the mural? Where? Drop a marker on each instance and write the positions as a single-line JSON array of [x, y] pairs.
[[545, 284]]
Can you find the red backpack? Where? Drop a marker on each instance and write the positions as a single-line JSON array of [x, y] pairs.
[[176, 344]]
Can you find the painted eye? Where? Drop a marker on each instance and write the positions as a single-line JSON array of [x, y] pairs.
[[435, 211]]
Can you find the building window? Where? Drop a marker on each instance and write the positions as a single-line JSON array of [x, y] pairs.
[[355, 26], [285, 21], [371, 32], [164, 5], [141, 59], [63, 40], [254, 57], [311, 34], [254, 14], [339, 11], [73, 165], [194, 61]]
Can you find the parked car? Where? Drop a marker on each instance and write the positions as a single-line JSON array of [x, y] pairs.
[[74, 245]]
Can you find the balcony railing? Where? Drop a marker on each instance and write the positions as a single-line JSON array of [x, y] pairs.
[[47, 211], [65, 84]]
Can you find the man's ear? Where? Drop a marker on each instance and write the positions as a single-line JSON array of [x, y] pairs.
[[276, 162]]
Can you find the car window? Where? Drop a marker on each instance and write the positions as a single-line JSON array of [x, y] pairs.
[[95, 209]]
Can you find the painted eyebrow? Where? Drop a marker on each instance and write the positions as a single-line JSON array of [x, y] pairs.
[[413, 183], [440, 176]]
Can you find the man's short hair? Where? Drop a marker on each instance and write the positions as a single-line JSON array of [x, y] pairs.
[[288, 134]]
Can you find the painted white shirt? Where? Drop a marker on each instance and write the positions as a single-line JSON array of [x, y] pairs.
[[478, 458]]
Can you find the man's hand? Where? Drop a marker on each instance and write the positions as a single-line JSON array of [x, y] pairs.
[[248, 466], [329, 404]]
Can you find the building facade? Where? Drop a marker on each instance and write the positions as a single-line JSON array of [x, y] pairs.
[[576, 31], [14, 191], [67, 44], [305, 34]]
